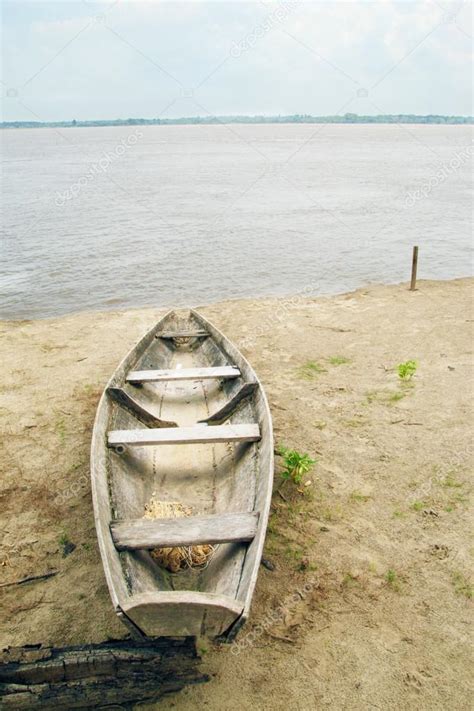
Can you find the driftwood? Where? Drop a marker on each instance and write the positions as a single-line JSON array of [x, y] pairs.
[[118, 673], [30, 579]]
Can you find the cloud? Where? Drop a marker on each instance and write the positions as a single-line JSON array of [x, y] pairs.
[[136, 57]]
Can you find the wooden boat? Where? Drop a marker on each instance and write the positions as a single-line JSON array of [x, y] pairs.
[[183, 417]]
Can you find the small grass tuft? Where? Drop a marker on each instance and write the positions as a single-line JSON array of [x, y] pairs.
[[357, 496], [339, 360], [407, 370], [308, 566], [293, 553], [66, 545], [272, 528], [311, 369], [349, 580], [371, 396], [320, 425], [60, 428], [63, 539], [328, 514], [395, 397], [398, 514], [459, 499], [357, 421], [450, 481], [392, 579], [462, 586], [384, 397]]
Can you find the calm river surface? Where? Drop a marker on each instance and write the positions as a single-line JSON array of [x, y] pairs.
[[98, 218]]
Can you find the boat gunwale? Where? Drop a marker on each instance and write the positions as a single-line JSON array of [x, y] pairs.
[[97, 447], [264, 512]]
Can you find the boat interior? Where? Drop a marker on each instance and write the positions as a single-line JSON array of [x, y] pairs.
[[183, 389]]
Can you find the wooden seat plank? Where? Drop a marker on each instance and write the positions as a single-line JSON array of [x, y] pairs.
[[187, 531], [182, 334], [185, 435], [141, 376]]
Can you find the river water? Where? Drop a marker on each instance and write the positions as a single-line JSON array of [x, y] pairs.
[[119, 217]]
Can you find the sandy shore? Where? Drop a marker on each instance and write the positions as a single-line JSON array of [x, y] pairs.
[[371, 562]]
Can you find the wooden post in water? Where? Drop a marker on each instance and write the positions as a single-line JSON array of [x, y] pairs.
[[414, 266]]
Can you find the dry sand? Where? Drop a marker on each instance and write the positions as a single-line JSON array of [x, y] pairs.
[[380, 538]]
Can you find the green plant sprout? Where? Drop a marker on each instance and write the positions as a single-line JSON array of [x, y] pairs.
[[392, 579], [296, 464], [407, 370], [66, 544], [63, 539]]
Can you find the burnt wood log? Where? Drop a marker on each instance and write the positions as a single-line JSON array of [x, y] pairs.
[[119, 673]]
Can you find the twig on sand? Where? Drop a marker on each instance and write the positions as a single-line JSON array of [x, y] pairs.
[[279, 489], [281, 638], [30, 579], [397, 422], [324, 627], [332, 328]]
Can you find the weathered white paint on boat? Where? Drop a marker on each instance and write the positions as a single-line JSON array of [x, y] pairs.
[[222, 477]]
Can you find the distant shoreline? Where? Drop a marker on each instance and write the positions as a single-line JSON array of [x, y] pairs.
[[216, 120]]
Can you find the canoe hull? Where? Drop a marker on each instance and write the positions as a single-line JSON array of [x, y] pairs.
[[217, 601]]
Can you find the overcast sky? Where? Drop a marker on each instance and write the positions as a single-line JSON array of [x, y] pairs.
[[85, 59]]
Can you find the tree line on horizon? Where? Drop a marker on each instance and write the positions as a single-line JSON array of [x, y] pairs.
[[210, 120]]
